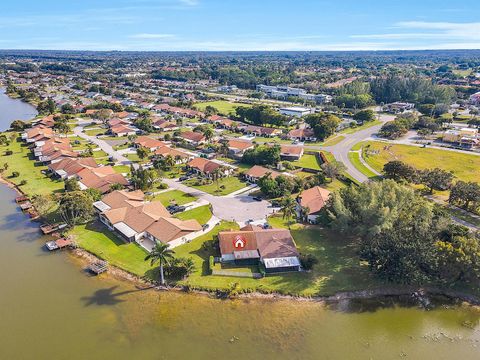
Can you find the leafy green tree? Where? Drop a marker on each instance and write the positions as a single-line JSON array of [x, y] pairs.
[[464, 194], [208, 133], [288, 208], [46, 107], [436, 179], [161, 254], [142, 152], [323, 125], [18, 125], [76, 207], [71, 184], [364, 116], [399, 171], [262, 155], [333, 169]]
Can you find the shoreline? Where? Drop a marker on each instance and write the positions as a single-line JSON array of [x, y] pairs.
[[366, 294]]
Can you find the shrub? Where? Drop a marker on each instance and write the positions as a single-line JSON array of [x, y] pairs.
[[23, 182], [15, 174], [222, 187], [162, 186], [211, 263], [308, 261], [8, 152]]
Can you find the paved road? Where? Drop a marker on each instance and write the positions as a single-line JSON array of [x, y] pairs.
[[117, 157], [341, 150], [239, 208]]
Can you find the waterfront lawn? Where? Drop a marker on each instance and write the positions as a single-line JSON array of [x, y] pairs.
[[223, 107], [307, 161], [23, 162], [96, 239], [230, 184], [174, 197], [338, 268], [464, 166], [202, 214]]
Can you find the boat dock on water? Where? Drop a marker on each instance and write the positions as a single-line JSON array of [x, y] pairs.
[[50, 228], [98, 267], [59, 244]]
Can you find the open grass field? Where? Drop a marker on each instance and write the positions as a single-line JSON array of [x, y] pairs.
[[23, 162], [96, 239], [174, 197], [230, 184], [308, 161], [338, 268], [334, 140], [223, 107], [465, 167], [202, 214]]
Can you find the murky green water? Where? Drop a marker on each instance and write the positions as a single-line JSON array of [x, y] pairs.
[[50, 309]]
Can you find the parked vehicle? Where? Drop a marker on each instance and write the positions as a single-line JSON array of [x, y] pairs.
[[257, 198], [205, 226]]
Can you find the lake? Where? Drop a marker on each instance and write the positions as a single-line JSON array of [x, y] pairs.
[[51, 309], [13, 109]]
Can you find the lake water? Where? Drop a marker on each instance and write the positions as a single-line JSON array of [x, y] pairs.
[[50, 309], [13, 109]]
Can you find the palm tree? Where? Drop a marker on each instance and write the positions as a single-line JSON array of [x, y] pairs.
[[288, 208], [162, 254], [208, 133]]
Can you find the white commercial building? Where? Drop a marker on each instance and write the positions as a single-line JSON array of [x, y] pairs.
[[295, 111]]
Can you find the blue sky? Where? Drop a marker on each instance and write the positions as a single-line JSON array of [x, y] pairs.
[[239, 25]]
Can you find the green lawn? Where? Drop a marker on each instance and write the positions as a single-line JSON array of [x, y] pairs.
[[202, 214], [307, 161], [464, 166], [334, 140], [223, 107], [95, 132], [174, 197], [122, 169], [230, 184], [354, 158], [23, 162], [338, 268], [367, 125], [96, 239]]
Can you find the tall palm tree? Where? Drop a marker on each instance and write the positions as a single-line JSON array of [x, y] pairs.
[[288, 208], [208, 133], [161, 254]]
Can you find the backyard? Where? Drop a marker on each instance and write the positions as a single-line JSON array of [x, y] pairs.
[[22, 161], [308, 161], [202, 214]]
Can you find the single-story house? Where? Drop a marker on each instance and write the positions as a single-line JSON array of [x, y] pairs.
[[291, 152], [257, 172], [193, 138], [274, 248], [101, 178], [314, 199], [68, 167], [164, 125], [122, 130], [238, 147], [133, 218], [179, 156], [207, 168], [148, 143], [304, 134]]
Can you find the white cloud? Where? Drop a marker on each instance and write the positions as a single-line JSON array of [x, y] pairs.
[[151, 36]]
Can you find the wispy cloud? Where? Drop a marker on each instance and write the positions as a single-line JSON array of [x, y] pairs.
[[151, 36]]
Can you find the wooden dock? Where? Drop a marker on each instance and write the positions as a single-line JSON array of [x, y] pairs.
[[59, 244], [98, 267], [50, 228]]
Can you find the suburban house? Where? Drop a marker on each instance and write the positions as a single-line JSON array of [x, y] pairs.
[[398, 107], [101, 178], [475, 99], [179, 156], [116, 122], [68, 168], [251, 245], [134, 219], [55, 154], [148, 143], [238, 147], [122, 130], [304, 134], [193, 138], [207, 168], [261, 131], [41, 147], [164, 125], [291, 152], [221, 122], [314, 199], [257, 172], [37, 133]]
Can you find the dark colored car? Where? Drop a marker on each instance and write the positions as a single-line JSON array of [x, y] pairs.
[[257, 198], [183, 178], [205, 226]]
